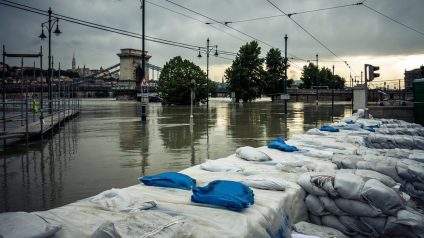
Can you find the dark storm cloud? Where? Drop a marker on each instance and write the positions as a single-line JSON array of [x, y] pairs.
[[350, 31]]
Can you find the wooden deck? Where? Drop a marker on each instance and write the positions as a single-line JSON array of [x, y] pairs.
[[38, 128]]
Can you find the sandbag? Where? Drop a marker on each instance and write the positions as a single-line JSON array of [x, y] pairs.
[[251, 154], [381, 167], [375, 223], [325, 182], [406, 223], [382, 197], [219, 166], [315, 206], [304, 181], [348, 185], [357, 208], [321, 231], [25, 225], [369, 174], [333, 222], [119, 200], [232, 195], [331, 206], [170, 180], [264, 182], [294, 166], [315, 219], [355, 224]]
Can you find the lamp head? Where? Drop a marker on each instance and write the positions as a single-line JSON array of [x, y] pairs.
[[42, 35], [57, 32], [199, 55]]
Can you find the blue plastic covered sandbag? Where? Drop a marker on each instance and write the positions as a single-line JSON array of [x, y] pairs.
[[328, 128], [280, 144], [170, 180], [232, 195]]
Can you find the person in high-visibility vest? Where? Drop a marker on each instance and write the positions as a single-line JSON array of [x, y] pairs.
[[34, 106]]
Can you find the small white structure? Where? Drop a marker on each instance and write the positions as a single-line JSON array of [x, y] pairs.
[[359, 95], [130, 59]]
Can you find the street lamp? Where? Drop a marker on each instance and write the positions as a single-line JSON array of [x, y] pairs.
[[208, 50], [49, 27]]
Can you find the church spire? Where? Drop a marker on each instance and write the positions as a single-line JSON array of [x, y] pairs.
[[74, 63]]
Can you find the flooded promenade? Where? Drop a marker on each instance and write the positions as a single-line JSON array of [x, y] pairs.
[[108, 146]]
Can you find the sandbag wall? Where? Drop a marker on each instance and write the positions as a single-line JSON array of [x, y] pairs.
[[359, 205]]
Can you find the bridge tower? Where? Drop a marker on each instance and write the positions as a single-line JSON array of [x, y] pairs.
[[130, 59]]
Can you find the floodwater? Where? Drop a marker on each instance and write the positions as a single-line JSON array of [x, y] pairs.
[[107, 146]]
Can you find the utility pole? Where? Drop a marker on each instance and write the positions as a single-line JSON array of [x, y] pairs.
[[316, 85], [143, 82], [285, 74], [361, 77], [207, 73]]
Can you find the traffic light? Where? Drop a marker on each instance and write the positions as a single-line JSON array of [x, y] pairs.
[[372, 74]]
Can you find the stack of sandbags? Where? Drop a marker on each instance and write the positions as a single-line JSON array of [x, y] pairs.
[[401, 131], [383, 141], [409, 173], [357, 205]]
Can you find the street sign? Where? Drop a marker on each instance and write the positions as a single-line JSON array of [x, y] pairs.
[[285, 96]]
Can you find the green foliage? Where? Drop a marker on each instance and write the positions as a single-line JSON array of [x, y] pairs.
[[274, 76], [213, 87], [311, 76], [175, 80], [245, 75]]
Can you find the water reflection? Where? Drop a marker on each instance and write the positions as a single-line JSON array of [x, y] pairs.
[[32, 175], [108, 146]]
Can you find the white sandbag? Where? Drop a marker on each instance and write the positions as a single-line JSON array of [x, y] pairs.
[[315, 206], [319, 153], [357, 208], [417, 156], [25, 225], [315, 131], [148, 224], [297, 235], [346, 161], [294, 166], [381, 167], [106, 230], [348, 185], [333, 222], [331, 206], [321, 231], [382, 197], [251, 154], [219, 166], [304, 181], [265, 182], [119, 200], [369, 174], [326, 182]]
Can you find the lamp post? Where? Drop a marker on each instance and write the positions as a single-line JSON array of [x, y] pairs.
[[49, 27], [192, 88], [208, 50]]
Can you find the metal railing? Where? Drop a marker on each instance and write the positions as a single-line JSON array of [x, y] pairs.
[[28, 114]]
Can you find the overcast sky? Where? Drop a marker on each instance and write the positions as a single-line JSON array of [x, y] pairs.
[[355, 34]]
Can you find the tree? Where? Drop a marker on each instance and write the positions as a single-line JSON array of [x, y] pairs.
[[274, 76], [312, 76], [175, 80], [245, 75]]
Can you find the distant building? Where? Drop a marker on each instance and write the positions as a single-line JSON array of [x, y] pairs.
[[130, 60], [1, 66], [413, 74]]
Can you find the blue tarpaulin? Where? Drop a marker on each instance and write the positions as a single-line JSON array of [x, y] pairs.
[[169, 179], [280, 144], [328, 128], [232, 195]]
